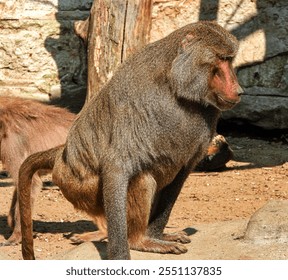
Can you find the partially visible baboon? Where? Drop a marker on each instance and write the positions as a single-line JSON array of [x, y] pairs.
[[130, 150], [217, 155], [27, 127]]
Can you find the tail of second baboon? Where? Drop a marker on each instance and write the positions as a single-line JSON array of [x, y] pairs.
[[35, 162]]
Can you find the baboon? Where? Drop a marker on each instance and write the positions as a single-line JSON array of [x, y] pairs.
[[27, 127], [217, 155], [133, 145]]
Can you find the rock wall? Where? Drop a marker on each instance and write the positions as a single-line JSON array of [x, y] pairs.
[[262, 61], [41, 57]]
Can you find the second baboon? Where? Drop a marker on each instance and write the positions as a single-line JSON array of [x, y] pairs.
[[132, 147], [27, 127]]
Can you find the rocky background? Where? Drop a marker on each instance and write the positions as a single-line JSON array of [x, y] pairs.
[[42, 58]]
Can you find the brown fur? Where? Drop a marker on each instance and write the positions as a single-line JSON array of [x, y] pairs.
[[26, 127], [130, 150]]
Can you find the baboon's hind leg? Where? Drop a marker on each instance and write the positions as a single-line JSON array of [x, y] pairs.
[[98, 235], [140, 197]]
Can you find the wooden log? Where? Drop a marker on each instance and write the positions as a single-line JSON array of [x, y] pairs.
[[113, 30], [137, 26]]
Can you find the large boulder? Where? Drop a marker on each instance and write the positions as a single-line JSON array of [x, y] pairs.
[[269, 224]]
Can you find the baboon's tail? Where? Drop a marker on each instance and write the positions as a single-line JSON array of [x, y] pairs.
[[35, 162]]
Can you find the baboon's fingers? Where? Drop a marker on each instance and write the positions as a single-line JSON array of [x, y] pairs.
[[88, 236], [158, 246], [8, 243], [180, 237]]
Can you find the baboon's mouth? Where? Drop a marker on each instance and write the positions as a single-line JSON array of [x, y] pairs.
[[233, 102]]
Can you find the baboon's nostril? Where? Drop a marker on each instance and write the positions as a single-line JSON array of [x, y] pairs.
[[240, 91]]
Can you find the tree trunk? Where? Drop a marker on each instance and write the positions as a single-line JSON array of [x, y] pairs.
[[114, 29]]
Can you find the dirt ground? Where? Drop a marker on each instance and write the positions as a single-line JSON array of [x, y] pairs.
[[258, 173]]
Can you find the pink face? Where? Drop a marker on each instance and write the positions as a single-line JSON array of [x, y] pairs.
[[224, 90]]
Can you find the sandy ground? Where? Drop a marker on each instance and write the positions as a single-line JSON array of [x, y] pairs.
[[258, 173]]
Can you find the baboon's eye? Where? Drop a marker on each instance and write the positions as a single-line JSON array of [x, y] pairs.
[[215, 70]]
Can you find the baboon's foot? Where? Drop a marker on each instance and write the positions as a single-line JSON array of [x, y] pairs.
[[14, 239], [157, 246], [88, 236], [180, 237]]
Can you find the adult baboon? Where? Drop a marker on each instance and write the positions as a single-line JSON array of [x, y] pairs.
[[130, 150]]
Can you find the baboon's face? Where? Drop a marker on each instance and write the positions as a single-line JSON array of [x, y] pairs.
[[224, 89]]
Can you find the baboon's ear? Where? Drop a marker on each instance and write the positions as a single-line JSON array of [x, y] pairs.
[[190, 69], [189, 39]]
